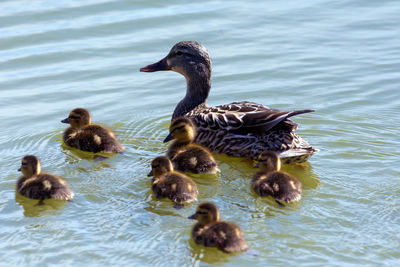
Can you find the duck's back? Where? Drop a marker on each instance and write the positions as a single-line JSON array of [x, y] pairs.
[[227, 236], [44, 186], [245, 129], [176, 187], [92, 138], [195, 159], [281, 186]]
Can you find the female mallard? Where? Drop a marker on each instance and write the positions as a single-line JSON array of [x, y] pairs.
[[209, 231], [270, 181], [186, 156], [39, 185], [240, 129], [84, 135], [171, 184]]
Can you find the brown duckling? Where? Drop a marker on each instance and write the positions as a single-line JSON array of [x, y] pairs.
[[84, 135], [209, 231], [186, 156], [270, 181], [39, 185], [171, 184]]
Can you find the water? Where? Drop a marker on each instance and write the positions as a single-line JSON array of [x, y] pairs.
[[338, 57]]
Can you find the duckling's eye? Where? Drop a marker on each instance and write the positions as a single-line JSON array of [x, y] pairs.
[[201, 212]]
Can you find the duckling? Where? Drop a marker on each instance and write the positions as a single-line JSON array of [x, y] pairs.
[[84, 135], [39, 185], [209, 231], [238, 129], [186, 156], [270, 181], [171, 184]]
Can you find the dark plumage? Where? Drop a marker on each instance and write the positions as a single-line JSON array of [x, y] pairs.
[[211, 232], [239, 129], [270, 181], [171, 184], [84, 135], [186, 156], [38, 185]]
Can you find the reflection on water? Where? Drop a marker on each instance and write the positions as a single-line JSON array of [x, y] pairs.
[[35, 208], [57, 55]]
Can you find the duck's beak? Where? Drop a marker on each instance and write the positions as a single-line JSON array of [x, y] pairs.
[[160, 65], [150, 173], [256, 165], [65, 120], [168, 138], [192, 217]]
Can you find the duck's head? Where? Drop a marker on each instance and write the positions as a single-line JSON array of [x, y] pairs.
[[30, 165], [269, 161], [181, 129], [206, 213], [188, 58], [159, 166], [78, 118]]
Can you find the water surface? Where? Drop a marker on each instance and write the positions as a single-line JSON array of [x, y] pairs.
[[338, 57]]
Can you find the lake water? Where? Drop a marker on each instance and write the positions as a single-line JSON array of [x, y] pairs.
[[340, 58]]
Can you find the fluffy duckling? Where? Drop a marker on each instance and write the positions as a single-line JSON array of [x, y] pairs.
[[39, 185], [186, 156], [171, 184], [84, 135], [270, 181], [209, 231]]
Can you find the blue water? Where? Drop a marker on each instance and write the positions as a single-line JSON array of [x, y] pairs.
[[340, 58]]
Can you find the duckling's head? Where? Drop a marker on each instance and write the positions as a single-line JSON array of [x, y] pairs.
[[188, 58], [269, 161], [182, 129], [206, 213], [160, 165], [78, 118], [30, 165]]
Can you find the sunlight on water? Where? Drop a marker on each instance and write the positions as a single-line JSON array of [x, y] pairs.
[[339, 58]]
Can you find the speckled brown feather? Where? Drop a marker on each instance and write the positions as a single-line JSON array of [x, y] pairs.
[[44, 186], [92, 138], [289, 188], [227, 236], [176, 186]]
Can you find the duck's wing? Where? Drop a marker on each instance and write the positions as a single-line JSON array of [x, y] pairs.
[[244, 117]]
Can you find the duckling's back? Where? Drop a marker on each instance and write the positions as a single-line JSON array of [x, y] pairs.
[[195, 159], [227, 236], [92, 138], [176, 187], [44, 186], [281, 186]]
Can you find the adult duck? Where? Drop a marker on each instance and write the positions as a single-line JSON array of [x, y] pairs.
[[240, 129]]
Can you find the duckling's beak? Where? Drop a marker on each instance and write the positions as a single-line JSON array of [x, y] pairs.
[[160, 65], [168, 138], [65, 120], [256, 165], [192, 217], [19, 169], [150, 173]]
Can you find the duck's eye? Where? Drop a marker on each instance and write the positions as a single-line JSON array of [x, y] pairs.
[[179, 53]]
